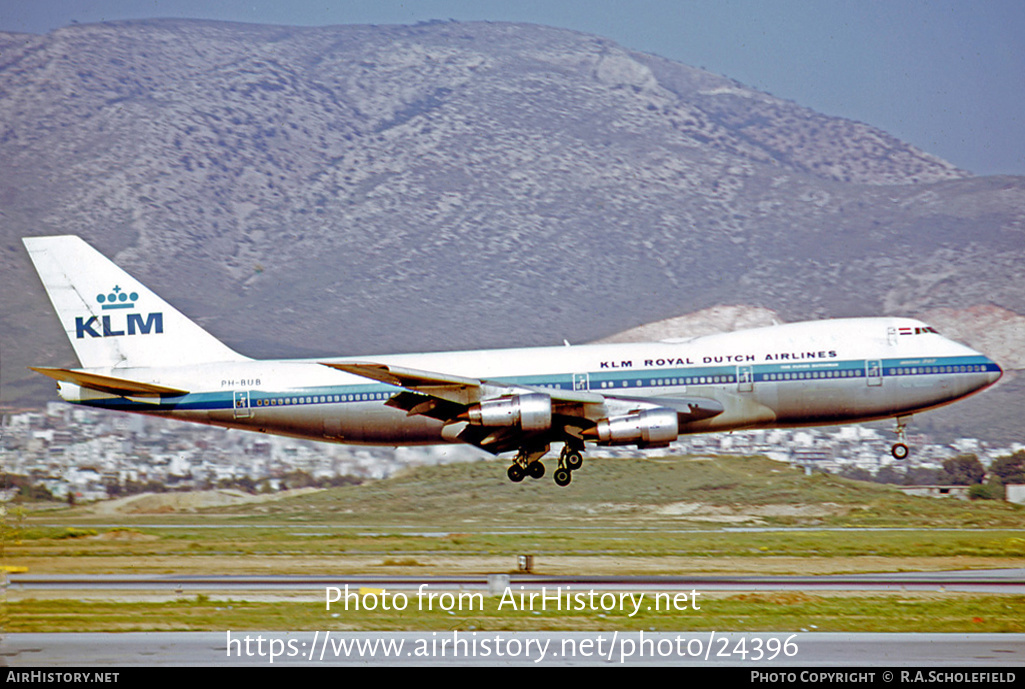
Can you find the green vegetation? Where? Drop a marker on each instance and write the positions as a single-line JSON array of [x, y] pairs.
[[962, 470], [1010, 468], [654, 516], [252, 551], [681, 492], [737, 612], [635, 491]]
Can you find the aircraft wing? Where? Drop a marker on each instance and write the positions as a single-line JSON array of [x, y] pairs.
[[451, 387], [403, 377], [447, 398]]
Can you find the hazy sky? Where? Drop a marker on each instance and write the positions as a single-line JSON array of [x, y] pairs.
[[947, 76]]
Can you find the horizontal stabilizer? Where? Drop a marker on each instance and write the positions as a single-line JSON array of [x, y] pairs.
[[110, 384]]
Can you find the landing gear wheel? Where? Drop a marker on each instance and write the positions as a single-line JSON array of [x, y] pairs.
[[574, 460], [516, 473], [900, 448], [563, 477], [536, 469]]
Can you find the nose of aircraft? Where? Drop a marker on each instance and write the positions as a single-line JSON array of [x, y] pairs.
[[993, 371]]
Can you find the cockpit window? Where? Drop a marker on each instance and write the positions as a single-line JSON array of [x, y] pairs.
[[918, 330]]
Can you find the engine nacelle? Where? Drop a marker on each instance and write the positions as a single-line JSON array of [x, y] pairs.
[[648, 428], [531, 412]]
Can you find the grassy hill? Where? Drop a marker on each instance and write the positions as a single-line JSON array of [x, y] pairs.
[[645, 493], [654, 516]]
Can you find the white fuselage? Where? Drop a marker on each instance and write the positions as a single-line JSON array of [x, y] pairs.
[[814, 373]]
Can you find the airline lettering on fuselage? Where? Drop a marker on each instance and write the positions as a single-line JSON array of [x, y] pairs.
[[729, 359], [722, 359], [798, 356], [669, 362], [133, 325]]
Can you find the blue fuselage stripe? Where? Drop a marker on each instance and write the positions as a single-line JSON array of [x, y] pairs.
[[596, 381]]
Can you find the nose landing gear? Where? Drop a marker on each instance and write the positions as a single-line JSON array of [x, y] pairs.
[[900, 448]]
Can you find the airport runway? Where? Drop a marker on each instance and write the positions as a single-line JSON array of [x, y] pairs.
[[1004, 581], [469, 647]]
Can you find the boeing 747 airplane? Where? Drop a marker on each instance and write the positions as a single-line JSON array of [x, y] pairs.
[[139, 354]]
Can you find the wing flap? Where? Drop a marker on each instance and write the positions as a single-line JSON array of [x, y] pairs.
[[419, 404], [493, 440], [687, 408]]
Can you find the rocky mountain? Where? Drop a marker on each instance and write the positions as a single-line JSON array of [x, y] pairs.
[[366, 189]]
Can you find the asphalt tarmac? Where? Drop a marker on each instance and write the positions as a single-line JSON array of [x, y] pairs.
[[975, 581], [477, 648]]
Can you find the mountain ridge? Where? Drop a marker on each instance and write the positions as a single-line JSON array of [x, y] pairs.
[[351, 190]]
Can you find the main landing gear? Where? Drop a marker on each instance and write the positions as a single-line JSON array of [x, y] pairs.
[[534, 470], [570, 460], [528, 463], [900, 448]]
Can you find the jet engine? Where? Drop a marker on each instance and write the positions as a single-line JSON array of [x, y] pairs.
[[531, 412], [649, 428]]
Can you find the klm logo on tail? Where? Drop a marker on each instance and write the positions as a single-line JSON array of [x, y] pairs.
[[132, 324]]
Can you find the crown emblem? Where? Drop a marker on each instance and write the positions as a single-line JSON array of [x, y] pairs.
[[117, 299]]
